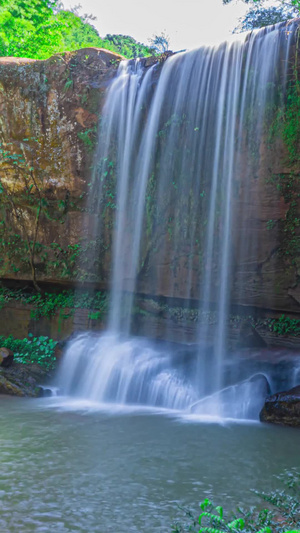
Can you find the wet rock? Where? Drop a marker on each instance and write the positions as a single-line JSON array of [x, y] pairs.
[[59, 350], [44, 392], [283, 408], [23, 379], [249, 337], [6, 357], [7, 387]]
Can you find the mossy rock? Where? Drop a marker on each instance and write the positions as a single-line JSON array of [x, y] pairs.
[[23, 380], [7, 387]]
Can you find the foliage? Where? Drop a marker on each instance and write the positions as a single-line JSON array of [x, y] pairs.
[[48, 304], [30, 28], [79, 33], [288, 186], [18, 168], [287, 125], [258, 17], [39, 350], [160, 43], [261, 14], [26, 207], [40, 28], [127, 46], [88, 137], [282, 514], [286, 326], [291, 120]]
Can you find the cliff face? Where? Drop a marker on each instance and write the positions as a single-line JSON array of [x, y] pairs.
[[49, 112]]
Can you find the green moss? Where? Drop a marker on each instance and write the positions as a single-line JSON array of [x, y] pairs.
[[281, 326], [288, 185], [88, 137], [291, 123], [48, 304]]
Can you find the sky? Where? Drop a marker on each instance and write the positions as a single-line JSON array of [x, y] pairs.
[[188, 23]]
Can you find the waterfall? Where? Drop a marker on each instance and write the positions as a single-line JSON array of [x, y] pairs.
[[173, 143]]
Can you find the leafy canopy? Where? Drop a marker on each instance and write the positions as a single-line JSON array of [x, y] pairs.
[[40, 28], [29, 28], [262, 14]]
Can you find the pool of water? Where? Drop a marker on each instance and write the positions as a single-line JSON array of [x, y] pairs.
[[69, 467]]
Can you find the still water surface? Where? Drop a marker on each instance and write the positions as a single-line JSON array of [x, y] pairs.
[[65, 468]]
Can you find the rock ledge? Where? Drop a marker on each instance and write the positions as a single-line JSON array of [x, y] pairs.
[[283, 408], [23, 379]]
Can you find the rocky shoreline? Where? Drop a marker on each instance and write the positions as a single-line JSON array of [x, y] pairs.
[[23, 380]]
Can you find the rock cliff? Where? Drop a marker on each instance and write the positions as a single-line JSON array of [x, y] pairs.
[[49, 112]]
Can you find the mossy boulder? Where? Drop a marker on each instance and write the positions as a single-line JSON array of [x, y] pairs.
[[23, 379]]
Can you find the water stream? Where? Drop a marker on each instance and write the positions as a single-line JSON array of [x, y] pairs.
[[177, 146]]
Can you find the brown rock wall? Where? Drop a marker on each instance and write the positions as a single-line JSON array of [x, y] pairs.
[[49, 113]]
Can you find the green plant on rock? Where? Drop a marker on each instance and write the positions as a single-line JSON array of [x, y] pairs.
[[288, 185], [68, 85], [88, 137], [48, 304], [17, 167], [25, 208], [291, 129], [95, 315], [271, 224], [40, 350], [286, 326]]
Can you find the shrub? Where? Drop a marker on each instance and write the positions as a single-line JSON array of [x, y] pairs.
[[39, 350], [281, 516]]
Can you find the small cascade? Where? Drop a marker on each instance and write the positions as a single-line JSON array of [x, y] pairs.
[[179, 146], [114, 370], [109, 369], [243, 400], [296, 375]]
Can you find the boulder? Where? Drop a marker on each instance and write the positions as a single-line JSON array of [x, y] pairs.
[[249, 337], [23, 379], [283, 408], [6, 357], [10, 388]]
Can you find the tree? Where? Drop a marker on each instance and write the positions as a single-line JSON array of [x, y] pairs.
[[40, 28], [78, 33], [127, 46], [29, 28], [160, 43], [260, 14]]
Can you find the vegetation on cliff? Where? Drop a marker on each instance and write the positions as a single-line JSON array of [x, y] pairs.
[[39, 350], [65, 303], [48, 304], [40, 28]]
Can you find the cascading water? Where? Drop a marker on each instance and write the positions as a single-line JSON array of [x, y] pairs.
[[170, 163]]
